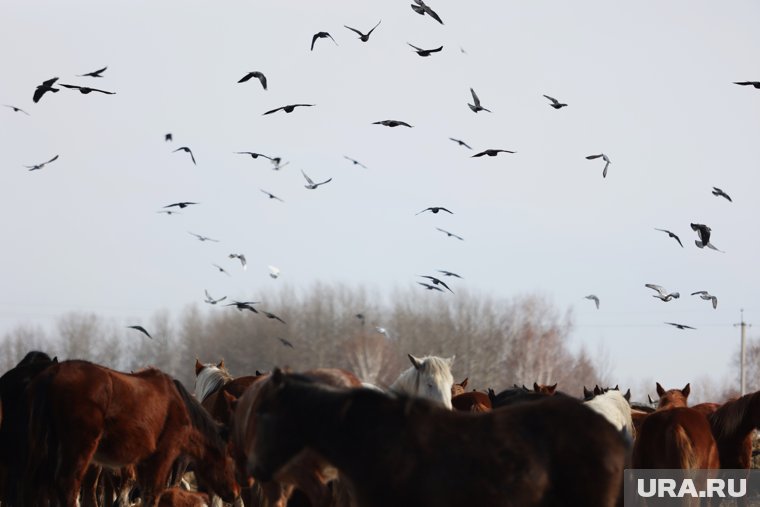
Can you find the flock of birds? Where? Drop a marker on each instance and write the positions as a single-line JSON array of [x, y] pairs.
[[431, 283]]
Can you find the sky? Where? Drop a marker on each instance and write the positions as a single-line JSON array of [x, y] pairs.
[[650, 85]]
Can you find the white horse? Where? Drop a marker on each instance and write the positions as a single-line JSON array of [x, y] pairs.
[[615, 408], [428, 377]]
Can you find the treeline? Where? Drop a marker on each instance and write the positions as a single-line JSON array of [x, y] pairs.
[[497, 342]]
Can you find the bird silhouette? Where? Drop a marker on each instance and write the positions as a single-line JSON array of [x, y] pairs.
[[556, 104], [450, 234], [241, 258], [203, 238], [271, 195], [437, 281], [84, 90], [606, 160], [720, 193], [703, 294], [476, 106], [321, 35], [270, 315], [180, 205], [435, 210], [274, 272], [756, 84], [448, 273], [670, 234], [491, 152], [186, 150], [221, 269], [704, 233], [46, 86], [258, 75], [425, 52], [662, 294], [253, 154], [461, 143], [422, 8], [168, 137], [277, 163], [142, 330], [286, 342], [593, 298], [680, 326], [37, 167], [210, 300], [362, 36], [392, 123], [94, 73], [355, 162], [17, 109], [169, 212], [288, 109], [310, 183], [244, 305], [430, 287]]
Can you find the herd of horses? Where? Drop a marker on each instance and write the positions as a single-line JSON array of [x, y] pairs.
[[77, 433]]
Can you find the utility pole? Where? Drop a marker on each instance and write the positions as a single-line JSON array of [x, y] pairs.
[[743, 325]]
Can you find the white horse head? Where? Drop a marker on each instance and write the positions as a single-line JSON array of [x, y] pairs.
[[615, 408], [428, 377], [209, 378]]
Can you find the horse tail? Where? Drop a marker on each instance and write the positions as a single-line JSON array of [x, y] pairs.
[[42, 442], [686, 453]]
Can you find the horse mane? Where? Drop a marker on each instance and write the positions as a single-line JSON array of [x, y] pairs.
[[34, 356], [614, 407], [209, 380], [200, 418], [432, 366], [728, 418]]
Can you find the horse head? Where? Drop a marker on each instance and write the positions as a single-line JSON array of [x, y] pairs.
[[673, 397], [429, 377]]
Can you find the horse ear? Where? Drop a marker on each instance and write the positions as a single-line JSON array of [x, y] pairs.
[[651, 401], [587, 393], [450, 360], [627, 395], [258, 373], [660, 390], [198, 367], [536, 388], [464, 382], [415, 362], [524, 388], [617, 387], [220, 365], [277, 377], [686, 390], [598, 390], [55, 359], [552, 388]]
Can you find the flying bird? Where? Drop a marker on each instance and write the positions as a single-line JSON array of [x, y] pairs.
[[421, 8], [430, 287], [670, 234], [321, 35], [311, 185], [274, 272], [180, 205], [704, 233], [448, 273], [271, 195], [720, 193], [662, 294], [450, 234], [142, 330], [270, 315], [203, 238], [211, 300], [17, 109], [435, 210], [437, 281], [286, 343], [288, 109], [239, 257], [187, 150], [244, 305], [355, 162], [258, 75], [461, 143], [703, 294], [46, 86], [556, 104], [606, 160], [680, 326], [392, 123], [756, 84], [476, 106], [169, 212], [36, 167], [425, 52], [491, 153], [84, 90], [253, 154], [593, 298], [168, 137], [94, 73], [221, 269], [364, 37]]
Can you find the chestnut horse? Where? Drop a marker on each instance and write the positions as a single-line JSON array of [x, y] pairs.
[[83, 414], [474, 401], [401, 451]]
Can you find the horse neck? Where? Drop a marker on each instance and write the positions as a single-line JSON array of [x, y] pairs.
[[738, 418], [208, 381]]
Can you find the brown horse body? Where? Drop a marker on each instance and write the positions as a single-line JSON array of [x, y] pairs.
[[87, 414], [474, 401], [403, 451]]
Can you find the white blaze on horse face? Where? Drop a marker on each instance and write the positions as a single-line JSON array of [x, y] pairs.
[[428, 377]]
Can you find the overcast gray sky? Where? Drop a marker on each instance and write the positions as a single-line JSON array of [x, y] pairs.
[[649, 84]]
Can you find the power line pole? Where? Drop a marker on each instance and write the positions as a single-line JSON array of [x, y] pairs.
[[743, 325]]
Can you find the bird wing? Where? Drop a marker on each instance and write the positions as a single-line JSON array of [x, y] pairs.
[[246, 77], [479, 154], [328, 180], [192, 157], [51, 160], [142, 330], [273, 111], [373, 28], [262, 79], [658, 288], [311, 182], [415, 47], [97, 72], [328, 35], [71, 86], [102, 91], [475, 98], [313, 40], [714, 302], [432, 14], [554, 101], [604, 172], [355, 30], [592, 157], [405, 124]]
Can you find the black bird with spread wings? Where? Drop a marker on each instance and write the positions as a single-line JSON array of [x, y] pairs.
[[288, 109], [244, 305], [476, 106], [362, 36], [253, 154], [421, 8], [46, 86], [491, 152], [720, 193], [704, 233], [449, 273], [392, 123], [435, 210], [430, 287], [355, 162], [756, 84], [461, 143], [36, 167], [258, 75], [450, 234], [437, 281], [271, 195], [94, 73], [556, 104], [286, 343], [593, 298], [183, 204], [17, 109], [203, 238], [241, 258], [186, 150], [221, 269], [270, 315], [142, 330], [679, 326], [426, 52], [321, 35], [671, 235], [606, 162], [84, 90]]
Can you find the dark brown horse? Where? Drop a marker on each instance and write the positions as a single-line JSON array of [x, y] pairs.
[[401, 451], [474, 401], [83, 414]]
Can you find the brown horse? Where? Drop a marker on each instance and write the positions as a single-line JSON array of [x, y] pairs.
[[544, 388], [308, 472], [402, 451], [214, 385], [474, 401], [672, 397], [83, 414], [457, 389]]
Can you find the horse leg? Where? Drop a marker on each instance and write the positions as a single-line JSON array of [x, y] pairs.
[[89, 486], [75, 459], [154, 475]]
